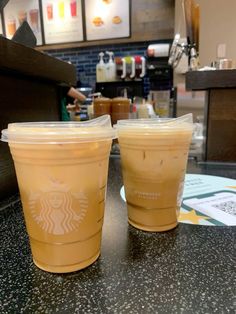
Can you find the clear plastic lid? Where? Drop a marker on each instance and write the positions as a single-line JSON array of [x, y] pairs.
[[165, 125], [59, 132]]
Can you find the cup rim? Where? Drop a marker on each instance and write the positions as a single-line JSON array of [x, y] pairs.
[[56, 132], [153, 125]]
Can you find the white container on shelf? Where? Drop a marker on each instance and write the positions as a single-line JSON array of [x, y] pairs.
[[110, 68], [101, 69]]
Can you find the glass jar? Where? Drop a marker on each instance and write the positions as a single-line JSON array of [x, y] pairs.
[[120, 109], [101, 106]]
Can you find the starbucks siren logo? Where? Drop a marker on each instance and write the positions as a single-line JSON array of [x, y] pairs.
[[53, 208]]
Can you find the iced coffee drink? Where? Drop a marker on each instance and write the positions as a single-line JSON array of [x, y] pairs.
[[154, 156], [62, 170]]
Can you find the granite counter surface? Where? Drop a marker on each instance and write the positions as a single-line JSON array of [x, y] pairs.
[[190, 269]]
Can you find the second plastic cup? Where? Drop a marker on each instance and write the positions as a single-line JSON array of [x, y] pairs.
[[154, 157], [62, 169]]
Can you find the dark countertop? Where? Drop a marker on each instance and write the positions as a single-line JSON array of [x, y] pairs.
[[190, 269]]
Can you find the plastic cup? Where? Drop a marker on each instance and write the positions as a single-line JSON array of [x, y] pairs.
[[34, 19], [61, 9], [62, 169], [73, 8], [50, 11], [22, 16], [11, 26], [154, 157]]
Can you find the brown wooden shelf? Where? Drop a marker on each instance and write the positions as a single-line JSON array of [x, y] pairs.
[[202, 80], [27, 61], [220, 112], [30, 91]]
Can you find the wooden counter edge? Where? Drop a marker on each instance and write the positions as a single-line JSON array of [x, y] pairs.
[[202, 80], [20, 59]]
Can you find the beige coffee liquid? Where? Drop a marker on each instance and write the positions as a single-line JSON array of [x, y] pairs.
[[153, 169], [63, 189]]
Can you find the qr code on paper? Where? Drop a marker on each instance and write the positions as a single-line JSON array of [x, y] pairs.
[[227, 207]]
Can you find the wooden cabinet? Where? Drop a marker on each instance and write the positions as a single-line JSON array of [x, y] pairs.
[[29, 91], [220, 112]]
